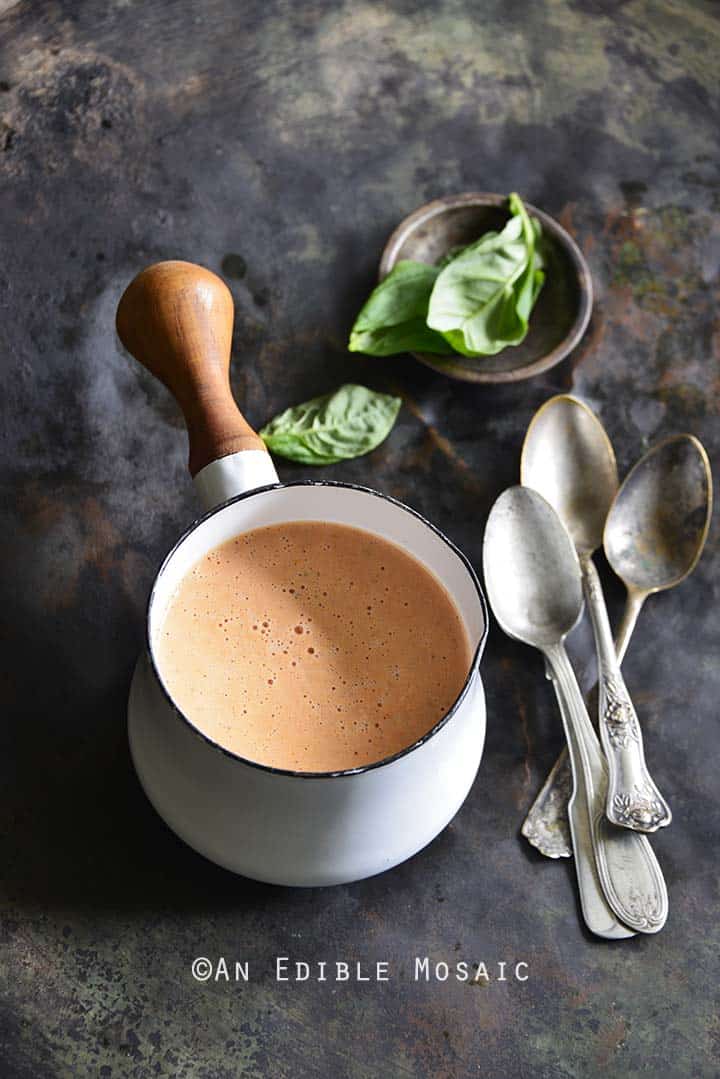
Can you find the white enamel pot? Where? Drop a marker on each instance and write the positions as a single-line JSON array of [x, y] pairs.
[[268, 823]]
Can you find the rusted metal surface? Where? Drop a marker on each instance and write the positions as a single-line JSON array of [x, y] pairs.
[[280, 144]]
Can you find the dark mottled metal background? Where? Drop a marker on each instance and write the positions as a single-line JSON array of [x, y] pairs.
[[278, 143]]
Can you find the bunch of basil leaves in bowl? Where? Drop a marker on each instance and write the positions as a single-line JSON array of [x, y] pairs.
[[479, 286]]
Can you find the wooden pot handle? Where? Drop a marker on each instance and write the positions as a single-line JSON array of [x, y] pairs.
[[176, 319]]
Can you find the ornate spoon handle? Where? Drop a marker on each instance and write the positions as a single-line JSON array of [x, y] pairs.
[[546, 825], [630, 877], [598, 916], [633, 799]]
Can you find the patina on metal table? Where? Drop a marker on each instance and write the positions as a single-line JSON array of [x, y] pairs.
[[279, 144]]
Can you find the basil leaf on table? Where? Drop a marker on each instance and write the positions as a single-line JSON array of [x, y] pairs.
[[481, 301], [334, 427], [393, 318]]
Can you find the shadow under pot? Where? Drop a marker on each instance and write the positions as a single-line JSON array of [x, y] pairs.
[[274, 824]]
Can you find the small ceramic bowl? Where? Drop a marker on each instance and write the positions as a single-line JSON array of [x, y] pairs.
[[563, 308]]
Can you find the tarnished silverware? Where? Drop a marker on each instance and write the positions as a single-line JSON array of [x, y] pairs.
[[658, 523], [654, 536], [568, 458], [534, 585], [546, 825], [598, 916]]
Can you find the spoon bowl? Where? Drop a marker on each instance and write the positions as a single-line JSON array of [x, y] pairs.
[[659, 520], [532, 572], [569, 459]]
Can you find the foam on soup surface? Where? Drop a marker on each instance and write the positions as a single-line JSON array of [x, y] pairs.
[[311, 646]]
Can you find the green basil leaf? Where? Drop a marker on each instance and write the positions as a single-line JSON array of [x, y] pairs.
[[334, 427], [481, 301], [393, 317], [453, 253]]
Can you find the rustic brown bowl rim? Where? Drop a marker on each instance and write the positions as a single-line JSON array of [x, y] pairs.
[[448, 365]]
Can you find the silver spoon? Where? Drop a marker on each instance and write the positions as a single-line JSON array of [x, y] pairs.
[[657, 525], [568, 458], [534, 585], [654, 536]]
